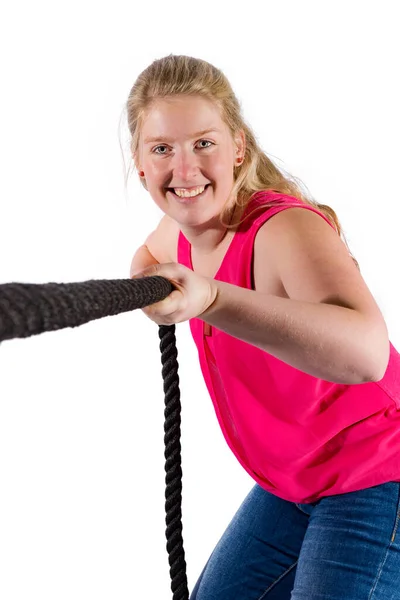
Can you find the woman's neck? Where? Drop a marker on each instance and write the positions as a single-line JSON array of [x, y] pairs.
[[212, 238]]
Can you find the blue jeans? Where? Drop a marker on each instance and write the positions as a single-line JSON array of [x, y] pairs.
[[343, 547]]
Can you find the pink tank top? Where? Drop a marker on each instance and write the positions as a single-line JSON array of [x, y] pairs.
[[297, 436]]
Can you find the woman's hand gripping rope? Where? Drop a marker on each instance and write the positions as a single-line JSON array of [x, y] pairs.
[[193, 296]]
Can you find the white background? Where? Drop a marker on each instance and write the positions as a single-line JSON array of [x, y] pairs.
[[81, 410]]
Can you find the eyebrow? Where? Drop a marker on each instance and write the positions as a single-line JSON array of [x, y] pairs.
[[161, 138]]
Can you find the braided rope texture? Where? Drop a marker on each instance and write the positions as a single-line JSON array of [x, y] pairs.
[[173, 477], [28, 309]]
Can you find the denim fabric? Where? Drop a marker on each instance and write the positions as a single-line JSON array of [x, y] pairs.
[[342, 547]]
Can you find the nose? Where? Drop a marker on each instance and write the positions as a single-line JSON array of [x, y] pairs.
[[185, 165]]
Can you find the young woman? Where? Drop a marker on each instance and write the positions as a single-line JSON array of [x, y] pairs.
[[292, 345]]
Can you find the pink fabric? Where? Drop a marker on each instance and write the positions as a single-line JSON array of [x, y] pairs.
[[298, 436]]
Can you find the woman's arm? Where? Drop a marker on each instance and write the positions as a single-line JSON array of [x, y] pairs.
[[141, 260], [156, 248], [330, 326], [327, 341]]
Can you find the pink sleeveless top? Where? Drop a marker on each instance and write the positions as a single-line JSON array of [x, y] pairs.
[[299, 437]]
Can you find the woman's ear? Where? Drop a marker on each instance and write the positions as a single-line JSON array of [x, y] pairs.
[[240, 141]]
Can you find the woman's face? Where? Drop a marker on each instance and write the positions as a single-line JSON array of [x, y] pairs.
[[184, 145]]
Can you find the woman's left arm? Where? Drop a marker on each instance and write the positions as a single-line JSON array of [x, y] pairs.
[[329, 326]]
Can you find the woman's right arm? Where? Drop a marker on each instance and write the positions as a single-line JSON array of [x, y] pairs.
[[157, 247], [142, 259]]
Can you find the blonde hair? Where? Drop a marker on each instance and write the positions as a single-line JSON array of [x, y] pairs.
[[185, 75]]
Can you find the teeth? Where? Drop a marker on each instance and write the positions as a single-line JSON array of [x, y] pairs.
[[182, 193]]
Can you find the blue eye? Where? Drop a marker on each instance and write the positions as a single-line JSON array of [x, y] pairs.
[[156, 148], [164, 146], [208, 142]]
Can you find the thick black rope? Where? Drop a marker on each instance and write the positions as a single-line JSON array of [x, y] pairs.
[[28, 309]]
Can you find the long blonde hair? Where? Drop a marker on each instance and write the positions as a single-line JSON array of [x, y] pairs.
[[185, 75]]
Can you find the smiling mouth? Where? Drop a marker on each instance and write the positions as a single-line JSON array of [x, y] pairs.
[[172, 191]]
